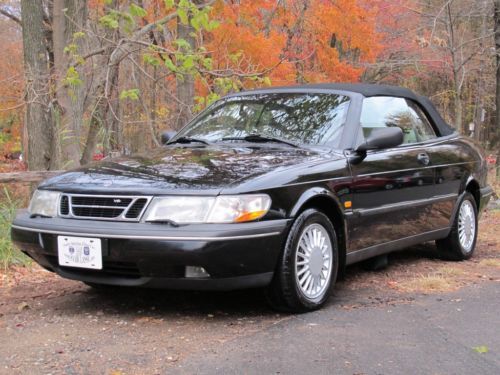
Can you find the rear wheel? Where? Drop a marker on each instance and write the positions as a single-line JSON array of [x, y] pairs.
[[461, 242], [308, 267]]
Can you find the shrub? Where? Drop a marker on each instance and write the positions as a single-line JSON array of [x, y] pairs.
[[9, 255]]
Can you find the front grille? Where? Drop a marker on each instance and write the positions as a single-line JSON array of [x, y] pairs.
[[64, 205], [100, 201], [102, 212], [136, 209], [122, 208]]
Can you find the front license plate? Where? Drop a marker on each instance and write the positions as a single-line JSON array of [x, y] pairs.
[[79, 252]]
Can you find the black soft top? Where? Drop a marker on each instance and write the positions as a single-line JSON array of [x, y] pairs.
[[368, 90]]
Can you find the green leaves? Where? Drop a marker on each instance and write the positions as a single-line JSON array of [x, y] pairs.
[[132, 94], [137, 11], [150, 60], [188, 62], [72, 77], [182, 58], [71, 48], [170, 65], [110, 20], [78, 35], [183, 16], [207, 63], [182, 44]]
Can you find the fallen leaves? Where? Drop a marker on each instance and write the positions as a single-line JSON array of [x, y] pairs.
[[481, 349], [23, 306], [492, 262]]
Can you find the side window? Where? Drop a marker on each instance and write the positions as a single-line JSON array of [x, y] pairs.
[[422, 126], [385, 111]]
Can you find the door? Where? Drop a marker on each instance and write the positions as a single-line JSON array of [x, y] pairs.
[[392, 188]]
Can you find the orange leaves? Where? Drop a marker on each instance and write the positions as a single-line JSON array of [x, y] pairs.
[[11, 78], [300, 40]]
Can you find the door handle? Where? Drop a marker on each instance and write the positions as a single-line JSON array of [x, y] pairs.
[[423, 158]]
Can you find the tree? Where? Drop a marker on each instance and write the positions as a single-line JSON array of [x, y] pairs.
[[41, 137], [68, 19], [497, 95], [441, 49], [12, 89], [108, 60]]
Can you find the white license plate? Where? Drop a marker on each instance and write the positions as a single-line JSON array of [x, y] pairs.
[[79, 252]]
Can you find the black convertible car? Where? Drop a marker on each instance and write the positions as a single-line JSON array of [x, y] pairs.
[[278, 188]]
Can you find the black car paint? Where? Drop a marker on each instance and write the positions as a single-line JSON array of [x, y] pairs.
[[396, 201], [183, 169]]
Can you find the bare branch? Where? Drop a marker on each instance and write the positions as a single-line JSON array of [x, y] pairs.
[[11, 16]]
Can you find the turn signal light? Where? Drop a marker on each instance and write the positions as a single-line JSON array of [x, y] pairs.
[[249, 216]]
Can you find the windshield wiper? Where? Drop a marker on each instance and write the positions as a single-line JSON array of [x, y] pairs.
[[257, 138], [187, 140]]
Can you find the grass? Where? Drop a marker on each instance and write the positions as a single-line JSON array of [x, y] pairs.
[[9, 255], [429, 283], [450, 271], [442, 280], [490, 262]]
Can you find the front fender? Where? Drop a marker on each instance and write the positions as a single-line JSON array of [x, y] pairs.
[[313, 193]]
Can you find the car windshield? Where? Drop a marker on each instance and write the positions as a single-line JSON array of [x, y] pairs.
[[314, 119]]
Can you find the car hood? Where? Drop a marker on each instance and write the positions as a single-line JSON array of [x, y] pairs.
[[181, 170]]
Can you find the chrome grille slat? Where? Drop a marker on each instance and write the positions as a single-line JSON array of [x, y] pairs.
[[95, 206], [103, 207]]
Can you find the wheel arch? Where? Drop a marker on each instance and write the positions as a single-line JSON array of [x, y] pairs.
[[473, 187], [325, 201]]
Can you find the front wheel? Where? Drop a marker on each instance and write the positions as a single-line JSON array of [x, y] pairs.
[[309, 265], [461, 242]]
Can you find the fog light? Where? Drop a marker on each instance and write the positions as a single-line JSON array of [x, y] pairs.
[[196, 272]]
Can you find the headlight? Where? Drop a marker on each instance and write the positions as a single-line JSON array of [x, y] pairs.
[[222, 209], [44, 203]]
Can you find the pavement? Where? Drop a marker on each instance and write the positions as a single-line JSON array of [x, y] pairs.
[[428, 335]]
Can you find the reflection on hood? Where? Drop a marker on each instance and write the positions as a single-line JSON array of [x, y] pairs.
[[182, 168]]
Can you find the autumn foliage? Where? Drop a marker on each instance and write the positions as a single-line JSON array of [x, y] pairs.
[[236, 45], [11, 91], [304, 41]]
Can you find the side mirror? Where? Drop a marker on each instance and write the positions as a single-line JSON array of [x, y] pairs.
[[382, 138], [167, 136]]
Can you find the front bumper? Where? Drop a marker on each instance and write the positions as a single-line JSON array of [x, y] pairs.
[[156, 255]]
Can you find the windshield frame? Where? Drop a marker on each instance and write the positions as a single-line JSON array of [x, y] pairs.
[[345, 139]]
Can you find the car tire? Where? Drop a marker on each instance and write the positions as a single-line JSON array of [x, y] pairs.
[[461, 242], [308, 267]]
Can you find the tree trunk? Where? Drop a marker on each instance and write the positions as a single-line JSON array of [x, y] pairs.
[[68, 17], [94, 127], [457, 70], [113, 126], [38, 116], [103, 98], [461, 127], [185, 83], [497, 99]]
